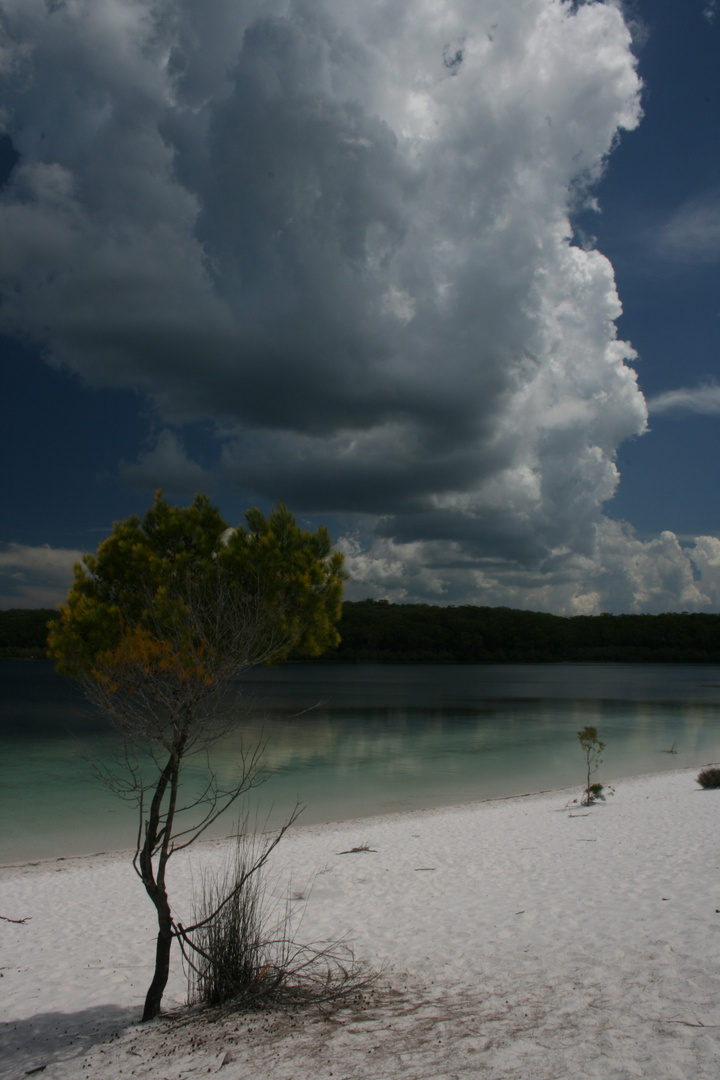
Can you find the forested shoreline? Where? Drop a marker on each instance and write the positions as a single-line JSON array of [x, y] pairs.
[[376, 631], [23, 632]]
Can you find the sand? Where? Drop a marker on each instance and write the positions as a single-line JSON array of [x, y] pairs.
[[520, 938]]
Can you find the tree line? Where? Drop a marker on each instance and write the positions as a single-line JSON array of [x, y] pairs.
[[376, 631], [24, 631]]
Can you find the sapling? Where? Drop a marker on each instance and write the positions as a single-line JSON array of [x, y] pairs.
[[156, 628], [592, 748]]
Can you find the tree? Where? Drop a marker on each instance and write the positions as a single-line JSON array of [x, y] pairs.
[[155, 626], [592, 748]]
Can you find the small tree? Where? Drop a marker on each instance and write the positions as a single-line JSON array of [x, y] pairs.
[[156, 624], [592, 748]]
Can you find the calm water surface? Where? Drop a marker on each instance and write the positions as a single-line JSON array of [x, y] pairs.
[[355, 740]]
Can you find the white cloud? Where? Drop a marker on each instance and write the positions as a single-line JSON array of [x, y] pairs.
[[620, 572], [655, 575], [697, 399], [35, 576], [692, 233]]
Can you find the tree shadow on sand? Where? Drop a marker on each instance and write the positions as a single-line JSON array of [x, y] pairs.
[[29, 1045]]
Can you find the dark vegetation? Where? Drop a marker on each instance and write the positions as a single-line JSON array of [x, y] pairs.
[[709, 778], [374, 631], [23, 632]]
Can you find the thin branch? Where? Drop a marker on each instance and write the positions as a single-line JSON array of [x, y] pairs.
[[257, 865]]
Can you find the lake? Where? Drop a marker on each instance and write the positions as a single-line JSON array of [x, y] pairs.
[[356, 740]]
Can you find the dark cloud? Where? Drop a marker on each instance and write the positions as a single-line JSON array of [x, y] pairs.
[[9, 158], [340, 233]]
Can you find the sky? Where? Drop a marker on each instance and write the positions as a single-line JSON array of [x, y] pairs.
[[443, 275]]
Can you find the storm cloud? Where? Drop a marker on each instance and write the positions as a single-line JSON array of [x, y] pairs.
[[341, 233]]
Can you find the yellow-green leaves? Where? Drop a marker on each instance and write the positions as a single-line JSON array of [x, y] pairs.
[[179, 594], [298, 574]]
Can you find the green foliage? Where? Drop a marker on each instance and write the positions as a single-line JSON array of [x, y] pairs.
[[155, 625], [709, 778], [592, 748], [179, 589]]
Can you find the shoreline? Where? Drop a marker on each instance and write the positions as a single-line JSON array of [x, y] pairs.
[[127, 852], [516, 938], [388, 742]]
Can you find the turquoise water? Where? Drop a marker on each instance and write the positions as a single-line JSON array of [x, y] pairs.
[[350, 741]]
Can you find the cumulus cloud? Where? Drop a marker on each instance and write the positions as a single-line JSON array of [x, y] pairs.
[[32, 577], [696, 399], [341, 232], [620, 573]]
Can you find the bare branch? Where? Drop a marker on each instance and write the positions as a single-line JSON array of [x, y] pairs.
[[235, 961], [256, 866]]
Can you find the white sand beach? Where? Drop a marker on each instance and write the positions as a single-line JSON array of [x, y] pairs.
[[518, 939]]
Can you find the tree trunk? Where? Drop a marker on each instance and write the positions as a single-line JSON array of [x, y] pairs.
[[162, 960], [154, 881]]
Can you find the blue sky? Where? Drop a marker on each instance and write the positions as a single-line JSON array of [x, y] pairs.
[[671, 303], [363, 259]]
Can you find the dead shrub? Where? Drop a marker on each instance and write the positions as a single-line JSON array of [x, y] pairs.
[[242, 951]]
